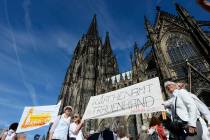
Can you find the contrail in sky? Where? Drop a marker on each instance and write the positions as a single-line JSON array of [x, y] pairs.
[[26, 5], [28, 86]]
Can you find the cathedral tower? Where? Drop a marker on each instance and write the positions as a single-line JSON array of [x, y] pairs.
[[91, 63]]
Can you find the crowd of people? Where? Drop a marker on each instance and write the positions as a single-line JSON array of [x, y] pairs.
[[188, 118], [66, 127]]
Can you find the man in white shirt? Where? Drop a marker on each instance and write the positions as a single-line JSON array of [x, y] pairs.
[[184, 109], [203, 109]]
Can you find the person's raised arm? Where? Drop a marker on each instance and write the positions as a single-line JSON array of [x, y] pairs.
[[75, 130], [168, 102]]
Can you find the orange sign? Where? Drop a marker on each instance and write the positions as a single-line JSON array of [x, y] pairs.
[[34, 117], [33, 120]]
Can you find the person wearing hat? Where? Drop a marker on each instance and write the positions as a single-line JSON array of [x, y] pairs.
[[60, 127], [185, 114]]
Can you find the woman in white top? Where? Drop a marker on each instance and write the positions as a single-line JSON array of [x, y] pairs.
[[75, 132], [60, 127], [10, 134]]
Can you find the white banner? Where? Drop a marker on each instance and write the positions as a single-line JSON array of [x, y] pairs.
[[144, 97], [37, 116]]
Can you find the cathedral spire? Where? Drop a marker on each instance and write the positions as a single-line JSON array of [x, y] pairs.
[[182, 11], [148, 25], [107, 44], [136, 49], [135, 46], [93, 30], [150, 29]]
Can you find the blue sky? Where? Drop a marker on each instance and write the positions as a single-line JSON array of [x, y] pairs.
[[37, 39]]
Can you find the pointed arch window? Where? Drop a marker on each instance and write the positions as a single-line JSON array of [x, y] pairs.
[[79, 72], [179, 48]]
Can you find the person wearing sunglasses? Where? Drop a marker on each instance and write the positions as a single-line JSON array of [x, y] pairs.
[[60, 127], [75, 132]]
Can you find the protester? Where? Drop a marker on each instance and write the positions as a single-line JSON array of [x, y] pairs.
[[156, 130], [200, 105], [10, 134], [203, 109], [60, 127], [186, 117], [75, 132]]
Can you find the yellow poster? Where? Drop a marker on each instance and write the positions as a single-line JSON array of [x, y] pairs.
[[37, 116]]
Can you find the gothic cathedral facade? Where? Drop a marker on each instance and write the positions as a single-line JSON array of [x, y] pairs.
[[179, 51]]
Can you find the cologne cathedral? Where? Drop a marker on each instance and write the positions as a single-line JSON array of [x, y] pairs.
[[179, 50]]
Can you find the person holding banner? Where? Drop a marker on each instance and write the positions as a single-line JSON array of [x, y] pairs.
[[75, 132], [60, 127], [10, 134], [185, 114]]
